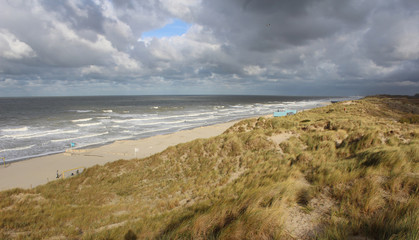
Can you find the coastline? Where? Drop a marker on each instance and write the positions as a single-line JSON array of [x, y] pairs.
[[31, 172], [37, 171]]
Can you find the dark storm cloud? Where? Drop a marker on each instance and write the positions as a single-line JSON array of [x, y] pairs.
[[269, 25], [239, 46]]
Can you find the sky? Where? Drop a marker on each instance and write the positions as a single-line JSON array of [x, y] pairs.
[[255, 47]]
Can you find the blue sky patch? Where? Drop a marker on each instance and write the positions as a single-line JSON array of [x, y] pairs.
[[176, 28]]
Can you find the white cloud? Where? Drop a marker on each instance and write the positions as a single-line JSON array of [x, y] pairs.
[[254, 70], [92, 69], [124, 62], [180, 8], [13, 48]]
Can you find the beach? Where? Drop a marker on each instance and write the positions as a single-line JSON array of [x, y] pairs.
[[37, 171], [33, 127], [39, 141]]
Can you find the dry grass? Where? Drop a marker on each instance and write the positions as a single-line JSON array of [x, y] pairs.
[[342, 171]]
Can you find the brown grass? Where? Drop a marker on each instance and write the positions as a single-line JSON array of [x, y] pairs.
[[344, 170]]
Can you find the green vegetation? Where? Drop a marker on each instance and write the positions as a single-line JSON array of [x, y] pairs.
[[347, 170]]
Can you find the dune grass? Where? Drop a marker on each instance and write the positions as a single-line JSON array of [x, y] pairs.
[[347, 170]]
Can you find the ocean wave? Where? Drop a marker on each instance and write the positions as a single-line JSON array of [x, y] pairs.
[[80, 137], [82, 120], [103, 117], [199, 114], [165, 108], [88, 124], [39, 134], [163, 117], [107, 111], [22, 129], [17, 149], [163, 123], [127, 120], [82, 111], [238, 111], [201, 119]]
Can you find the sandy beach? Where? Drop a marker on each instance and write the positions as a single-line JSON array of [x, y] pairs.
[[37, 171]]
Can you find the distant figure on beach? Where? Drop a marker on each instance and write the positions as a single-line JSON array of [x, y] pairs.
[[73, 144], [58, 176]]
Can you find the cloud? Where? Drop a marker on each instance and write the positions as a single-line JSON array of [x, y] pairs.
[[302, 47], [12, 48]]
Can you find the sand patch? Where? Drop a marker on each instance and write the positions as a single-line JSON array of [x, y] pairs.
[[279, 138], [348, 103], [303, 224]]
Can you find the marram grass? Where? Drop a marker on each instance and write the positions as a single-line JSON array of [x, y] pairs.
[[347, 170]]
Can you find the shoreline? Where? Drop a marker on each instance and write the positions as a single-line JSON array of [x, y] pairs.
[[97, 145], [31, 172]]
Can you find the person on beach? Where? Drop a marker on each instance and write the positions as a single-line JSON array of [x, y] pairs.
[[58, 176]]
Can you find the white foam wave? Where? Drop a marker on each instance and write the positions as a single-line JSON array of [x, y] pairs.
[[88, 124], [80, 137], [103, 117], [202, 119], [127, 120], [162, 123], [107, 111], [17, 149], [22, 129], [198, 114], [82, 120], [163, 117], [82, 111], [238, 111], [39, 134]]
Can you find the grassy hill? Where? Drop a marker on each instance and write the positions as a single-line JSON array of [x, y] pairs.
[[345, 171]]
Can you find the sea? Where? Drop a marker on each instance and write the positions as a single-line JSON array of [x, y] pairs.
[[37, 126]]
